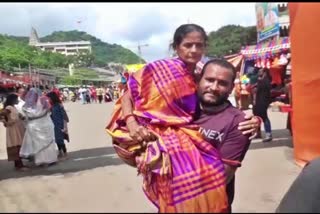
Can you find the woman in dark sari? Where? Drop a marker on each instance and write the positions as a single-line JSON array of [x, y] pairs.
[[58, 116]]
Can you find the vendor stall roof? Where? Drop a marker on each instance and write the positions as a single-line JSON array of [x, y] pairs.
[[265, 50]]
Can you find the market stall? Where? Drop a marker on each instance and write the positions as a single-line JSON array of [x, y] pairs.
[[274, 55]]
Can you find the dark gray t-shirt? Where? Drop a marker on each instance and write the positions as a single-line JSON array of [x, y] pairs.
[[221, 130]]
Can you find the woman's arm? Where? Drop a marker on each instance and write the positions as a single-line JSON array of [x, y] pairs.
[[39, 115], [65, 115], [4, 112], [8, 113], [57, 116], [137, 132]]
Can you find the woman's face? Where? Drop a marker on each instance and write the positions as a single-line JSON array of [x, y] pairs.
[[192, 48]]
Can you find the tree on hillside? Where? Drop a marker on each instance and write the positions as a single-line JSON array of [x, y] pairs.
[[82, 59], [230, 39]]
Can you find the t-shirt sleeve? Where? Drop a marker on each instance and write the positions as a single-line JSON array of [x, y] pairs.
[[235, 144]]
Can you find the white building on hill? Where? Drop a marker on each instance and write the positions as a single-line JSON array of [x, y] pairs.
[[65, 48]]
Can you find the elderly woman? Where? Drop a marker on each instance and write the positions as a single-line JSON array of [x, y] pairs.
[[39, 141]]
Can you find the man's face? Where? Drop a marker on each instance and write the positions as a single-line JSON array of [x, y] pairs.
[[21, 93], [215, 85]]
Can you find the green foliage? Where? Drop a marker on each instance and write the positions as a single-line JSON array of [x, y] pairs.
[[85, 73], [103, 53], [16, 52], [82, 59], [229, 39], [70, 80], [79, 75]]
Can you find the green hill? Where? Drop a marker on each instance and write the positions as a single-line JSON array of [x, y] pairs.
[[15, 51], [229, 39], [103, 52]]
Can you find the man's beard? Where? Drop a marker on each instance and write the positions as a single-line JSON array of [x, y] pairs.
[[220, 100]]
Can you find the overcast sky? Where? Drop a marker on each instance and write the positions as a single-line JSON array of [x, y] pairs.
[[127, 24]]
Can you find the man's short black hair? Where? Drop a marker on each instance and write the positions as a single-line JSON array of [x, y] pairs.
[[222, 63]]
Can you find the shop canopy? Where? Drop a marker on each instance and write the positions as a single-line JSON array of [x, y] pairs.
[[266, 50], [235, 59], [8, 85]]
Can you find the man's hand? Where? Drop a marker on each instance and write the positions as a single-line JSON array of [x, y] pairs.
[[250, 126]]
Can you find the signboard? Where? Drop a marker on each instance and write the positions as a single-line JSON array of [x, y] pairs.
[[267, 15]]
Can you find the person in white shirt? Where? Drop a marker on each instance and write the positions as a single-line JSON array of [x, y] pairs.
[[21, 92], [82, 94]]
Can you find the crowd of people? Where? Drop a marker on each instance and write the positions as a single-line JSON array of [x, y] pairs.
[[36, 121], [90, 94], [36, 127]]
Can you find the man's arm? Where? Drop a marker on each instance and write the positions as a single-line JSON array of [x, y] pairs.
[[230, 171], [234, 147]]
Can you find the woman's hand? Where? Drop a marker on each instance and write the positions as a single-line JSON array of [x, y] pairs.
[[138, 133], [21, 117], [250, 126]]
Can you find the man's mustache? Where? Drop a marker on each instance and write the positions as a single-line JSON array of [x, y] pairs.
[[211, 92]]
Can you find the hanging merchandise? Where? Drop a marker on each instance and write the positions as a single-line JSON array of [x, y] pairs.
[[263, 63], [244, 79], [288, 69], [268, 63], [265, 50], [258, 64]]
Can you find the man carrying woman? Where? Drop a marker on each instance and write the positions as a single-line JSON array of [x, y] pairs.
[[182, 172]]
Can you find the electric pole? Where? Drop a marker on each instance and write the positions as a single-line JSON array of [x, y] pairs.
[[139, 50], [139, 47]]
